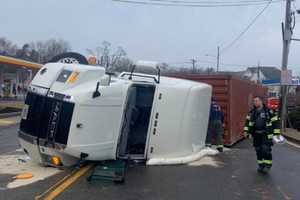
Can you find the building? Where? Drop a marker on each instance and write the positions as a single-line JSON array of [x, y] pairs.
[[267, 75], [15, 75], [13, 81], [257, 74]]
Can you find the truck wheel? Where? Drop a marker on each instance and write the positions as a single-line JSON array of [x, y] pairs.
[[70, 57]]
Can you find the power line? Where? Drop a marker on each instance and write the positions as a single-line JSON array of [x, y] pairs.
[[247, 28], [211, 2], [224, 64], [207, 5], [208, 62]]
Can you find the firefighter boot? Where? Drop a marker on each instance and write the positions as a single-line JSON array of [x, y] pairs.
[[261, 168], [220, 148]]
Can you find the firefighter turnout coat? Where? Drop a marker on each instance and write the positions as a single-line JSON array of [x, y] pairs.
[[272, 127]]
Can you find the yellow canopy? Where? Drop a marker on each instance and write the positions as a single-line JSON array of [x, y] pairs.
[[19, 62]]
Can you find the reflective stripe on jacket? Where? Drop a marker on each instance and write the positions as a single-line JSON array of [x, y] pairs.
[[272, 123]]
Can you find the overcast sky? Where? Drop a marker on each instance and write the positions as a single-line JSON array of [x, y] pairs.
[[165, 34]]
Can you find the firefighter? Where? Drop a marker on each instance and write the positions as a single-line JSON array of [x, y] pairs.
[[262, 124], [215, 126]]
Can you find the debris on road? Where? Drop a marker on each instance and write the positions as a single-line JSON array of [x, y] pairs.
[[24, 159], [188, 159], [24, 176], [10, 164], [111, 171]]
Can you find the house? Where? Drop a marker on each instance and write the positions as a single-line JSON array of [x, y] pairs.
[[264, 74], [260, 73]]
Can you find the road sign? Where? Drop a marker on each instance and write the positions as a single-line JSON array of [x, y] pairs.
[[295, 81], [271, 82]]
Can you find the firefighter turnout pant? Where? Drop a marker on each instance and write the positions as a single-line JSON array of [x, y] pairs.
[[215, 128], [263, 147]]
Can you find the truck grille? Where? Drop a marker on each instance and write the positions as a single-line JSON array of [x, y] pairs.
[[48, 119]]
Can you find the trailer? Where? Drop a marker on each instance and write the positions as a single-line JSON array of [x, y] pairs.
[[235, 97]]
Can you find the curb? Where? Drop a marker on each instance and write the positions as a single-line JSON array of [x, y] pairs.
[[291, 139], [12, 114]]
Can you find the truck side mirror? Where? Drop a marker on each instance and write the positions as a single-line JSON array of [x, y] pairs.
[[96, 93]]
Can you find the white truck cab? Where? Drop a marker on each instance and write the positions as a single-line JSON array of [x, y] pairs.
[[75, 111]]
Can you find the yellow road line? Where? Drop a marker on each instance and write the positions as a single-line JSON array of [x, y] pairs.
[[12, 105], [7, 122], [17, 105], [62, 185]]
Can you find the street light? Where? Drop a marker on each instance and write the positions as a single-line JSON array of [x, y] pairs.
[[209, 55], [216, 57]]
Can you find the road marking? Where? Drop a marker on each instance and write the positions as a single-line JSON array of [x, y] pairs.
[[14, 151], [284, 194], [15, 105], [8, 121], [63, 184], [3, 188], [292, 144]]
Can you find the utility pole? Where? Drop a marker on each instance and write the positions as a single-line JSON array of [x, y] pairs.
[[258, 73], [218, 58], [287, 37], [193, 65]]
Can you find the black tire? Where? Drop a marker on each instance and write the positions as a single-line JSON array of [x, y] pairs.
[[70, 57]]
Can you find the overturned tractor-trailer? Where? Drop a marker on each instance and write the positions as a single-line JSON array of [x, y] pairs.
[[74, 111]]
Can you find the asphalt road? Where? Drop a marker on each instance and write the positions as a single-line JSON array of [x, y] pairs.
[[8, 145], [234, 177], [231, 175], [8, 139]]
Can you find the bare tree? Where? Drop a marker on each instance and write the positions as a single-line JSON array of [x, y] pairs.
[[41, 50], [117, 56], [109, 57], [7, 47], [169, 70], [50, 48], [122, 65], [25, 52], [55, 47]]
